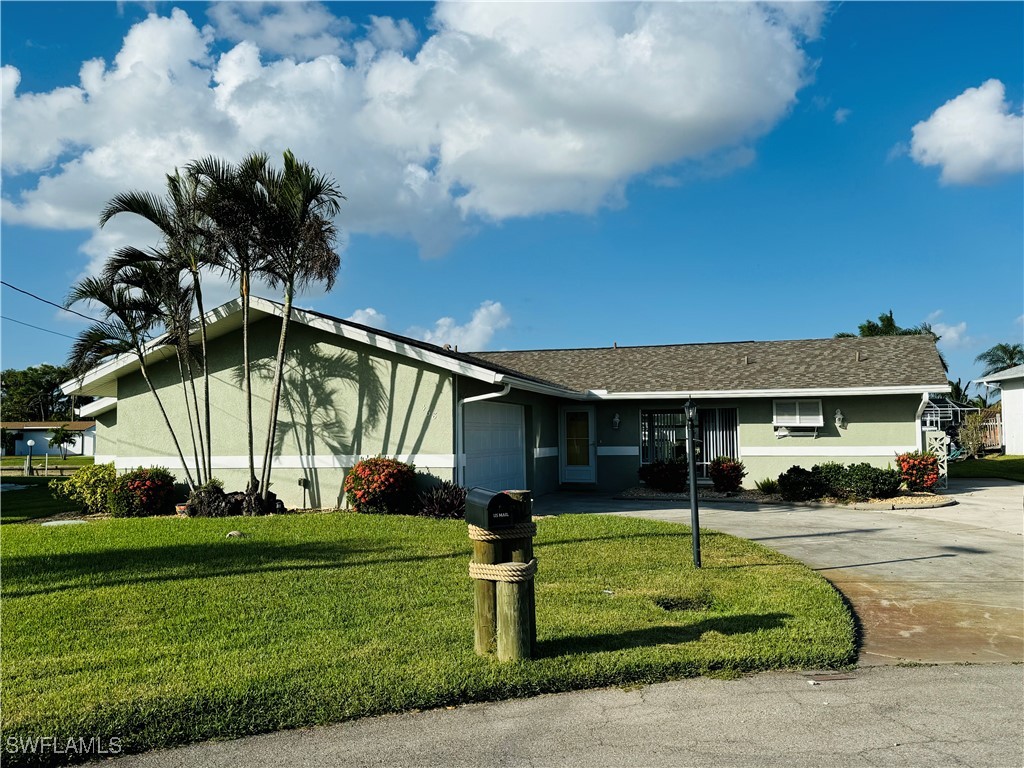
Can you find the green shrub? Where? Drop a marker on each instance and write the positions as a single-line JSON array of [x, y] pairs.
[[799, 484], [727, 474], [142, 493], [972, 434], [446, 501], [832, 477], [768, 485], [669, 475], [382, 486], [863, 481], [920, 470], [89, 486]]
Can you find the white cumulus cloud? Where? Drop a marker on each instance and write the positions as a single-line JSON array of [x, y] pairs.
[[973, 138], [304, 30], [474, 336], [953, 335], [504, 110], [369, 316]]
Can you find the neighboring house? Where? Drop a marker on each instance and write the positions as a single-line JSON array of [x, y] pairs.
[[584, 418], [1011, 386], [40, 432]]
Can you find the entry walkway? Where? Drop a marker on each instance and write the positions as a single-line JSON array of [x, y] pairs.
[[933, 586]]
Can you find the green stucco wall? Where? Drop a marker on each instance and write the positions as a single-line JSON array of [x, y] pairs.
[[340, 400], [881, 424]]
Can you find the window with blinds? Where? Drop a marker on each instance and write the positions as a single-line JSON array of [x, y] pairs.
[[797, 413], [663, 436]]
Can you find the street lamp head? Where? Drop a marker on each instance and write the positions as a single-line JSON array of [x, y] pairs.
[[690, 408], [30, 443]]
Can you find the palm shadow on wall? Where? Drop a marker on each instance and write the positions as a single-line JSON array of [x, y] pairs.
[[332, 399], [315, 383]]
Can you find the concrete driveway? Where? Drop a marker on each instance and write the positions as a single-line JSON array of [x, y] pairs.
[[932, 586]]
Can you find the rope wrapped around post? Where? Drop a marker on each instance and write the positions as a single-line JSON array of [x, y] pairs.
[[518, 531], [510, 573]]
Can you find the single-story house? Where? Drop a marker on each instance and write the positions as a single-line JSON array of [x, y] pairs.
[[40, 433], [1011, 387], [542, 419]]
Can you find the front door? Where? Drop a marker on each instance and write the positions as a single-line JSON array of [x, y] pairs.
[[578, 445]]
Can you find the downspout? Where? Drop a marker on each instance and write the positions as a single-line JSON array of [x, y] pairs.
[[460, 464], [920, 430]]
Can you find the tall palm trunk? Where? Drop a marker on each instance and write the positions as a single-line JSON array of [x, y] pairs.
[[191, 424], [275, 396], [206, 373], [195, 404], [174, 438], [247, 383]]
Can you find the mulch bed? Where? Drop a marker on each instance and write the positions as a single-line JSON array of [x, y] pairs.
[[920, 499]]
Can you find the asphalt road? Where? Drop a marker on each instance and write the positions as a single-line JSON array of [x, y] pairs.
[[923, 717]]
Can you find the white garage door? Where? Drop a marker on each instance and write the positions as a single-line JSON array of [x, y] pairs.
[[495, 446]]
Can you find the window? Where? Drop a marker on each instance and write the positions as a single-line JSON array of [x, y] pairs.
[[797, 413], [663, 436]]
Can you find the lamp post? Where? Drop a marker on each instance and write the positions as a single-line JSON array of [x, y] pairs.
[[691, 421], [28, 461]]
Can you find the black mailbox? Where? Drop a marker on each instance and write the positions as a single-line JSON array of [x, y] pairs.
[[490, 510]]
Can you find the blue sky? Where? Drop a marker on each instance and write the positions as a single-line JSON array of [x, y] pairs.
[[534, 176]]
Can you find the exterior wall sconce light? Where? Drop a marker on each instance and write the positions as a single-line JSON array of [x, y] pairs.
[[840, 419], [616, 421]]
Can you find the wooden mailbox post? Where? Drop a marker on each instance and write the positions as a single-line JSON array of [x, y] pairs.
[[502, 569]]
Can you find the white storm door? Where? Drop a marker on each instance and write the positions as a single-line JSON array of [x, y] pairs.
[[578, 456], [495, 446]]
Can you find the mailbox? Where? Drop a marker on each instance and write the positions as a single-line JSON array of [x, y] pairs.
[[490, 510]]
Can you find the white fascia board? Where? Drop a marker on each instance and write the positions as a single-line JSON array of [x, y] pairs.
[[542, 389], [1016, 372], [750, 393], [98, 406], [154, 351]]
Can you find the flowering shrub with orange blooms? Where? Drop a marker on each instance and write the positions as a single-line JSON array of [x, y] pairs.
[[920, 470], [382, 486], [142, 492]]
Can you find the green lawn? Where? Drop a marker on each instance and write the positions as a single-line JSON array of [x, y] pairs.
[[163, 631], [30, 503], [54, 461], [1006, 467]]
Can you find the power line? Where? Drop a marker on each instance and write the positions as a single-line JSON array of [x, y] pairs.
[[19, 322], [46, 301]]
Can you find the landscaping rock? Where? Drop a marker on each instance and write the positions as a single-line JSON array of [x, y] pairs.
[[236, 535]]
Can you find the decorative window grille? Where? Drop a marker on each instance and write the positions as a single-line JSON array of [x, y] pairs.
[[663, 436]]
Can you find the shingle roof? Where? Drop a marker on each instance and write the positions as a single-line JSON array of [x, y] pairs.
[[883, 361]]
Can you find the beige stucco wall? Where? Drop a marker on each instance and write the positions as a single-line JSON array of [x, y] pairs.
[[340, 400]]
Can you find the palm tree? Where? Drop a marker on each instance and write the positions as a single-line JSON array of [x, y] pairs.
[[886, 326], [187, 237], [235, 201], [153, 276], [1000, 357], [126, 328], [299, 241]]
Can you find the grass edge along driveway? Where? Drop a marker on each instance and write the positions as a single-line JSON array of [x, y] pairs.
[[1005, 467], [162, 631]]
